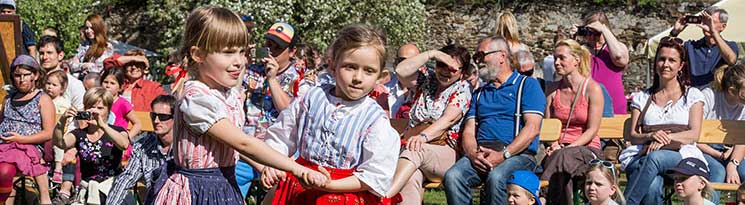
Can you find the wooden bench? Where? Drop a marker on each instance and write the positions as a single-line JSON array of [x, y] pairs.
[[712, 132]]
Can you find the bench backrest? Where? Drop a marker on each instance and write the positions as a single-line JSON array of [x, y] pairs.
[[550, 129], [144, 117], [712, 131]]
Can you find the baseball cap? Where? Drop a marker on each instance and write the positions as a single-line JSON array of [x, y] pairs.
[[25, 60], [528, 181], [9, 3], [690, 166], [282, 33]]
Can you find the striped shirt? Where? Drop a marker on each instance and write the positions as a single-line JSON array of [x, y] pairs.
[[335, 133], [147, 156], [199, 108]]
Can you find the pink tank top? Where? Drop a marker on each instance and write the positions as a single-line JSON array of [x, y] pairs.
[[579, 119]]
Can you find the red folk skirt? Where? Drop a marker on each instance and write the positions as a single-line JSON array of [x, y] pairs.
[[290, 192]]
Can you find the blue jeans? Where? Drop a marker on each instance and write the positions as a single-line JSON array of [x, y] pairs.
[[461, 177], [717, 173], [645, 176]]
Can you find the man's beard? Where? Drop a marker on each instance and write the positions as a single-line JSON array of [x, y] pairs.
[[488, 74]]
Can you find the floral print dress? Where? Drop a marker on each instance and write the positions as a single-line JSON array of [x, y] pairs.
[[429, 108], [99, 159]]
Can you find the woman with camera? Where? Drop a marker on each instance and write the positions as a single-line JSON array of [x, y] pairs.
[[610, 57], [99, 144]]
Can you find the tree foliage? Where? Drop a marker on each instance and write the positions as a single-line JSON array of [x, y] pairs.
[[316, 21], [64, 15]]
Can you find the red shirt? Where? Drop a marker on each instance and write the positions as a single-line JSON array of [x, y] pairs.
[[143, 93]]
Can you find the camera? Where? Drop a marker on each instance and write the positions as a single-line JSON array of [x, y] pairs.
[[584, 31], [690, 19], [83, 115]]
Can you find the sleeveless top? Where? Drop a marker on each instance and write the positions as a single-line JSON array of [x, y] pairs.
[[578, 124], [22, 117]]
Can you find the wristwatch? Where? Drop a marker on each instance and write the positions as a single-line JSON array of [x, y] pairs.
[[734, 161], [426, 138], [506, 153]]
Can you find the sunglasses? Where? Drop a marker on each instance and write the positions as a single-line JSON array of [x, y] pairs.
[[672, 40], [605, 164], [439, 64], [162, 117], [478, 57]]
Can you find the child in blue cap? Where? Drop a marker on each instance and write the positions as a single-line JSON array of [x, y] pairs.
[[522, 188], [691, 181]]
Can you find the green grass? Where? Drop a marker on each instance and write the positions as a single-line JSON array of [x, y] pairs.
[[437, 197]]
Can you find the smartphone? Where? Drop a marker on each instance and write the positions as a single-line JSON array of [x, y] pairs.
[[260, 54], [584, 31], [690, 19], [83, 115]]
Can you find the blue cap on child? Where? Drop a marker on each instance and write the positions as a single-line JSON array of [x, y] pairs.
[[528, 181], [690, 167]]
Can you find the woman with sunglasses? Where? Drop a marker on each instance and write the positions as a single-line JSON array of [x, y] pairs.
[[725, 100], [100, 145], [137, 89], [666, 123], [577, 101], [442, 99], [610, 57], [601, 184]]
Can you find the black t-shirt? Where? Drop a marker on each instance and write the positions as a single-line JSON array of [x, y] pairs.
[[99, 160]]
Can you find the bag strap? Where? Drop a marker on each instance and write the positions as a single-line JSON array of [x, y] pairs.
[[644, 112], [518, 108], [571, 109]]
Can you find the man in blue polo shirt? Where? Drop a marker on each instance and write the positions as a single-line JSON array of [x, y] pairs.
[[492, 149], [708, 53]]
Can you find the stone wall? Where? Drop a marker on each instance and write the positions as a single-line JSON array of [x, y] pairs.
[[540, 20]]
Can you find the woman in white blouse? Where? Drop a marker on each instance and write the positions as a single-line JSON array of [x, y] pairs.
[[666, 122]]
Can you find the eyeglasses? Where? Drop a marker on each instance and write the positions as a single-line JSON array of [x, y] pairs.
[[478, 57], [605, 164], [162, 117], [672, 40]]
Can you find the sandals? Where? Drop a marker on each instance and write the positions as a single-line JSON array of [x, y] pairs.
[[61, 199]]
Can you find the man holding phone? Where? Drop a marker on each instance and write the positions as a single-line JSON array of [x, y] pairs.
[[270, 84], [711, 51]]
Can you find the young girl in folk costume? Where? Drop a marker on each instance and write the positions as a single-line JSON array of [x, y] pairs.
[[207, 137], [27, 120], [339, 130], [601, 186]]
